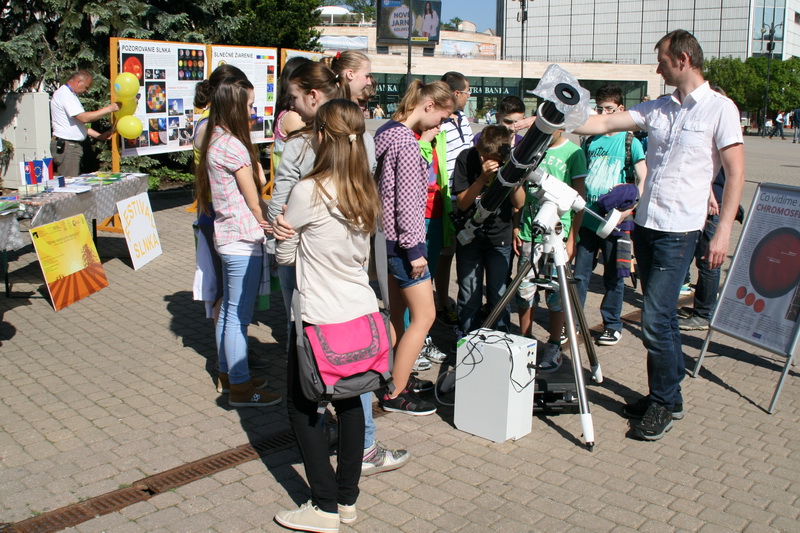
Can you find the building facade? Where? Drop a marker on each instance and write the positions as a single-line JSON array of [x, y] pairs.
[[625, 31]]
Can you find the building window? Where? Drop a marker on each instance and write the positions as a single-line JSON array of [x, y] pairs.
[[796, 17]]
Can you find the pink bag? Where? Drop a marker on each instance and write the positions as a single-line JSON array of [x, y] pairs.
[[349, 348]]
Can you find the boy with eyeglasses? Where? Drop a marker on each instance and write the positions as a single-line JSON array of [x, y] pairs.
[[612, 159]]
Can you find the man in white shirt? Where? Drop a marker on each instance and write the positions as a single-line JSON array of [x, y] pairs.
[[691, 134], [70, 120]]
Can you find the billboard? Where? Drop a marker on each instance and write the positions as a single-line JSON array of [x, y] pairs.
[[396, 16]]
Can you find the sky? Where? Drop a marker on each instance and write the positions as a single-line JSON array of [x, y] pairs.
[[480, 12]]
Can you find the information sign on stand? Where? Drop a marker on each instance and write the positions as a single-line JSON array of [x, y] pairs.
[[70, 264], [760, 300], [140, 229]]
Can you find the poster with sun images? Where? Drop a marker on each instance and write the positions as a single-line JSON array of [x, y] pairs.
[[760, 302], [260, 65], [68, 257], [168, 73]]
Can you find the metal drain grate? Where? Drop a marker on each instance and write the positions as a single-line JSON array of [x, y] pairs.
[[146, 488]]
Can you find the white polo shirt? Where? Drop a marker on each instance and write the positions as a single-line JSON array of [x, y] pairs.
[[683, 147], [64, 107]]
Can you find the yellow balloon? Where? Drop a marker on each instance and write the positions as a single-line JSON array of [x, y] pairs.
[[126, 85], [128, 108], [129, 127]]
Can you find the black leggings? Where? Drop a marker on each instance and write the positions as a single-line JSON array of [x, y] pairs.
[[328, 488]]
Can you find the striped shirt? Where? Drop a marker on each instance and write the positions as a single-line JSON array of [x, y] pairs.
[[459, 138]]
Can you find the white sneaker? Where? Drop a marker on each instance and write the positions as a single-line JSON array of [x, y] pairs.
[[432, 353], [347, 513], [309, 518], [422, 364], [550, 359]]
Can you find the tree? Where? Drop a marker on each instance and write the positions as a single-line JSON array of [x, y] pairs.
[[280, 23], [452, 25]]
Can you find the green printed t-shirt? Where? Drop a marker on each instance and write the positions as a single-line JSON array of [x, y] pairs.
[[565, 162], [606, 165]]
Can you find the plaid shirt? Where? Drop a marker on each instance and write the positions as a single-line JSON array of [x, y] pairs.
[[403, 186], [234, 221]]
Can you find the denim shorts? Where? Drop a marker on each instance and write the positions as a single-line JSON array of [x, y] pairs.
[[400, 268]]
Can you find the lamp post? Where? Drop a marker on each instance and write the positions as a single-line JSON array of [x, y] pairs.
[[410, 23], [770, 48], [522, 17]]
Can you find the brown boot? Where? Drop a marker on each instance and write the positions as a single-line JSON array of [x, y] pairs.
[[245, 395], [224, 384]]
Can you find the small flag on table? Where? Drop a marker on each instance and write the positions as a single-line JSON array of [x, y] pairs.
[[27, 169], [48, 168], [38, 171]]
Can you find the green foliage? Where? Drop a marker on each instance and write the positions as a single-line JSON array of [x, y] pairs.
[[278, 23], [452, 24], [746, 82], [163, 174]]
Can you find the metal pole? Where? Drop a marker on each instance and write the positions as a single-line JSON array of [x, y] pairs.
[[770, 47], [410, 18]]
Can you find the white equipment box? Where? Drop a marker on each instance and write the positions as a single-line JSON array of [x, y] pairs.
[[494, 386]]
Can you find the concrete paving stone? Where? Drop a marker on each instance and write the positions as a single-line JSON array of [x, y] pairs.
[[167, 499], [368, 524], [590, 522], [466, 475], [758, 528], [653, 482], [392, 514], [435, 495], [162, 518], [723, 519], [419, 508], [784, 510], [41, 450], [227, 493], [751, 513], [106, 523], [774, 493], [451, 522]]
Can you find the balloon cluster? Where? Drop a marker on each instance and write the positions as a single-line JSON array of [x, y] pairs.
[[126, 87]]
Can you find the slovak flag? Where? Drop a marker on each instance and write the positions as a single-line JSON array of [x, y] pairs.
[[26, 168], [48, 168]]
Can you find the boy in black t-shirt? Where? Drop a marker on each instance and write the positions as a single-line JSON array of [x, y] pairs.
[[489, 254]]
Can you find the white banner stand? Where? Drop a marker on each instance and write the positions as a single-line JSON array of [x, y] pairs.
[[760, 300]]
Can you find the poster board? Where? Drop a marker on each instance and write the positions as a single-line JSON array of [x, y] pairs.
[[289, 53], [760, 300], [139, 226], [69, 260], [260, 65], [168, 73]]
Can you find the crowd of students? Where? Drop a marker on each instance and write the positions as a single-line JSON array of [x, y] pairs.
[[334, 185]]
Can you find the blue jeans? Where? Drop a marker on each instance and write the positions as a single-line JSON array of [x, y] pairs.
[[241, 275], [663, 258], [705, 293], [611, 306], [369, 422], [473, 260]]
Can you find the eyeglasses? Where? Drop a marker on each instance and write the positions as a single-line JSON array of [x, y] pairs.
[[467, 92], [606, 109]]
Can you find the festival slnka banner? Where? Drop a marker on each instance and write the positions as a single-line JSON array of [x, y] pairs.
[[140, 229], [168, 73], [70, 264], [260, 65]]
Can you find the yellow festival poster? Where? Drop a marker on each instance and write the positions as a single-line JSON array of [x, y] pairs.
[[69, 260]]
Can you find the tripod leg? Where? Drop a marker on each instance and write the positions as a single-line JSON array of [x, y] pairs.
[[567, 303], [510, 291], [591, 353]]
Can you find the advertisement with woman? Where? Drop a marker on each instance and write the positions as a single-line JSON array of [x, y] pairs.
[[394, 16]]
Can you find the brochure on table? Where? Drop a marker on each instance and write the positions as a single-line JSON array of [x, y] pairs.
[[68, 257], [139, 226]]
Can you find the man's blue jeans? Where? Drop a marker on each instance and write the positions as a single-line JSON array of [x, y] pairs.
[[611, 306], [705, 293], [663, 258], [473, 261], [241, 275]]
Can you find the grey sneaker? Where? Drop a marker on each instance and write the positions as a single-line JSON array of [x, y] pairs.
[[551, 359], [693, 323], [432, 353], [309, 517], [657, 420], [378, 459]]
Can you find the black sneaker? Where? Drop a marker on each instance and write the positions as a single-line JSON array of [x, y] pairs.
[[635, 411], [610, 337], [417, 385], [693, 323], [656, 421], [407, 402], [447, 316]]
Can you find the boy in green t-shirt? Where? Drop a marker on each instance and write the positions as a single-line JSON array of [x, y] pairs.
[[566, 161]]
